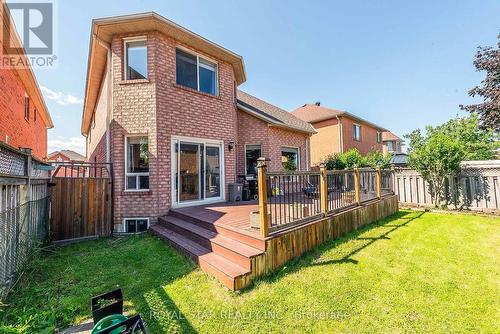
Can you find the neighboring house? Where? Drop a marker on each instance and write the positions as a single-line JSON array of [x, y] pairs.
[[161, 104], [391, 142], [338, 131], [23, 113], [66, 156]]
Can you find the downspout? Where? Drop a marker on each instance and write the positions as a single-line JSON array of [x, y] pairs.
[[341, 141]]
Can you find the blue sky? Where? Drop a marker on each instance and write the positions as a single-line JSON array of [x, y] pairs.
[[400, 64]]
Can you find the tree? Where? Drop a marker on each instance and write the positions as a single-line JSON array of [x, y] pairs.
[[437, 154], [334, 161], [352, 158], [487, 59], [376, 158]]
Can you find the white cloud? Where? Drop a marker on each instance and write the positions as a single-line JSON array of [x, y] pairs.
[[76, 144], [60, 97]]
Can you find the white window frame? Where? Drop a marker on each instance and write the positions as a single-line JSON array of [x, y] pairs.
[[198, 56], [379, 137], [354, 132], [174, 199], [124, 224], [391, 149], [260, 145], [134, 174], [127, 40], [298, 154]]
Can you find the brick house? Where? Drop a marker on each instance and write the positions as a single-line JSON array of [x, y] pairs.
[[391, 143], [338, 131], [25, 117], [65, 156], [161, 104]]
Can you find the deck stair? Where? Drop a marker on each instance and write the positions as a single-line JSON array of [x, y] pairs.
[[221, 252]]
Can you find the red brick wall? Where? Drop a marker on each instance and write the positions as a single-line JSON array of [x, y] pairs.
[[368, 137], [160, 109], [253, 131], [22, 132]]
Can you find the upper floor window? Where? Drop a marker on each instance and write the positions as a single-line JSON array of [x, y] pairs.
[[379, 137], [356, 132], [390, 146], [26, 107], [196, 72], [136, 59], [137, 163]]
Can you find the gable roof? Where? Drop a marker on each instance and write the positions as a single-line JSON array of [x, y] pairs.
[[314, 113], [388, 135], [70, 154], [102, 33], [25, 73], [270, 113]]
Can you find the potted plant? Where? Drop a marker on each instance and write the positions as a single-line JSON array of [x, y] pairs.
[[107, 304]]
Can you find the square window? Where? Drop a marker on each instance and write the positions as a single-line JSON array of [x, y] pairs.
[[196, 72], [290, 158], [136, 60]]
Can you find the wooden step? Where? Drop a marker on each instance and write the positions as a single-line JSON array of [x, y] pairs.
[[228, 231], [234, 250], [214, 264]]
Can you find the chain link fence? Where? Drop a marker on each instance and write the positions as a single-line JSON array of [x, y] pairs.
[[22, 230]]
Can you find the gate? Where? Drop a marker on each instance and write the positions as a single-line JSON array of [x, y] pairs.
[[81, 201]]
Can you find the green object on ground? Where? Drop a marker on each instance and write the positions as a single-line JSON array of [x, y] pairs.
[[109, 321]]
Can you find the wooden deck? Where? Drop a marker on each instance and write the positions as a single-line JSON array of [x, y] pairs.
[[219, 237], [230, 215]]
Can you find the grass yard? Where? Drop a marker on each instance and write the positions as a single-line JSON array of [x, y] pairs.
[[413, 272]]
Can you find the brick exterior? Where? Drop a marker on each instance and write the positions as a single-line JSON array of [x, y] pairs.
[[160, 109], [368, 136], [253, 131], [22, 132]]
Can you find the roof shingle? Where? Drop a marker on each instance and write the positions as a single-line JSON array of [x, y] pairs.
[[271, 113]]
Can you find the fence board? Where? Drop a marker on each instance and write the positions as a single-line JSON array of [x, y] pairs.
[[475, 188], [80, 208]]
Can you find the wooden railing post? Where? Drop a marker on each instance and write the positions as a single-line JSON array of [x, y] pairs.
[[378, 180], [323, 188], [262, 186], [357, 194]]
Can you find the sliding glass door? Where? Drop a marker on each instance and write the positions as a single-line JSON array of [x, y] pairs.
[[197, 171]]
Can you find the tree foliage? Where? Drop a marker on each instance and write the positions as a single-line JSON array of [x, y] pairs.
[[353, 158], [437, 154], [487, 59]]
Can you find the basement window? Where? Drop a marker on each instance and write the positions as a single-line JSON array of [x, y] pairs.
[[135, 225], [196, 72], [136, 59], [137, 164]]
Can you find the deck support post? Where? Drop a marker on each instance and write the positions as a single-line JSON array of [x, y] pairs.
[[323, 188], [262, 187], [378, 179], [357, 194]]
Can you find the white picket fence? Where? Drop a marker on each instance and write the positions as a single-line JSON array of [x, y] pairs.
[[476, 188]]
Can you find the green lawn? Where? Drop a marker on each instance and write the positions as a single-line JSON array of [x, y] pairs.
[[413, 272]]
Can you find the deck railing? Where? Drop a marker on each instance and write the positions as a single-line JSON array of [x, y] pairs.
[[288, 198]]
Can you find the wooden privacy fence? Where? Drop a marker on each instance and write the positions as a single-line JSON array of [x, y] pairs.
[[477, 187], [81, 201], [292, 197]]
